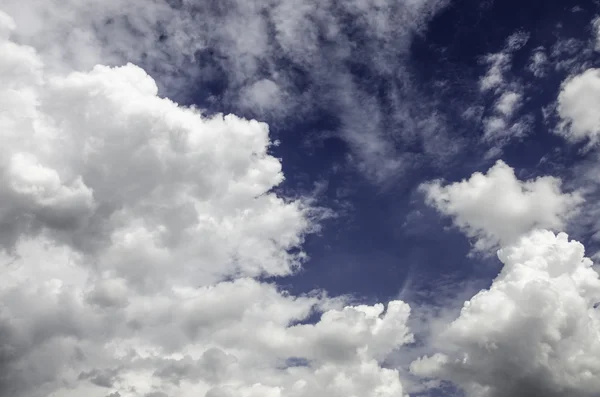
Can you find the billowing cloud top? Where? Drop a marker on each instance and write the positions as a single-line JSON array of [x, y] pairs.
[[106, 165], [534, 332], [497, 208]]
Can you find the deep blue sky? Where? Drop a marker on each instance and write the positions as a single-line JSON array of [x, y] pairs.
[[384, 236]]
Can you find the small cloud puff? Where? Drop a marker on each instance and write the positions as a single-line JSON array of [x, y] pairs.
[[497, 208], [577, 103]]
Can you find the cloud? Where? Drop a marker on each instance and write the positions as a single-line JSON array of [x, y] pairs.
[[534, 332], [241, 336], [508, 103], [77, 35], [94, 157], [281, 60], [504, 78], [340, 355], [497, 208], [578, 97], [502, 122], [499, 110], [499, 64], [538, 63], [132, 228]]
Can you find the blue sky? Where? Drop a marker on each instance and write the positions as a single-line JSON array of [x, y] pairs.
[[297, 198]]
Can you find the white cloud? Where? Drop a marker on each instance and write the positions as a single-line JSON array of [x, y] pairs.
[[282, 59], [263, 94], [534, 332], [538, 63], [508, 103], [99, 154], [577, 103], [497, 208], [499, 64], [502, 124], [76, 35], [123, 213], [502, 121], [569, 55], [340, 354], [69, 333], [517, 40]]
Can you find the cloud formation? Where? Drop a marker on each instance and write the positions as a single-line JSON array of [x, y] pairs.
[[578, 98], [282, 60], [497, 208], [534, 332], [132, 228]]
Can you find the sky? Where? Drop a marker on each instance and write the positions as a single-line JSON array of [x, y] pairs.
[[242, 198]]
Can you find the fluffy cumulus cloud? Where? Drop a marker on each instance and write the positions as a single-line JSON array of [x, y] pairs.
[[130, 232], [93, 158], [534, 332], [577, 101], [497, 208], [64, 334], [76, 35]]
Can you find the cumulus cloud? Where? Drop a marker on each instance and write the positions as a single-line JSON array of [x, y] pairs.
[[497, 208], [534, 332], [242, 337], [94, 156], [578, 98], [131, 230], [338, 356]]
